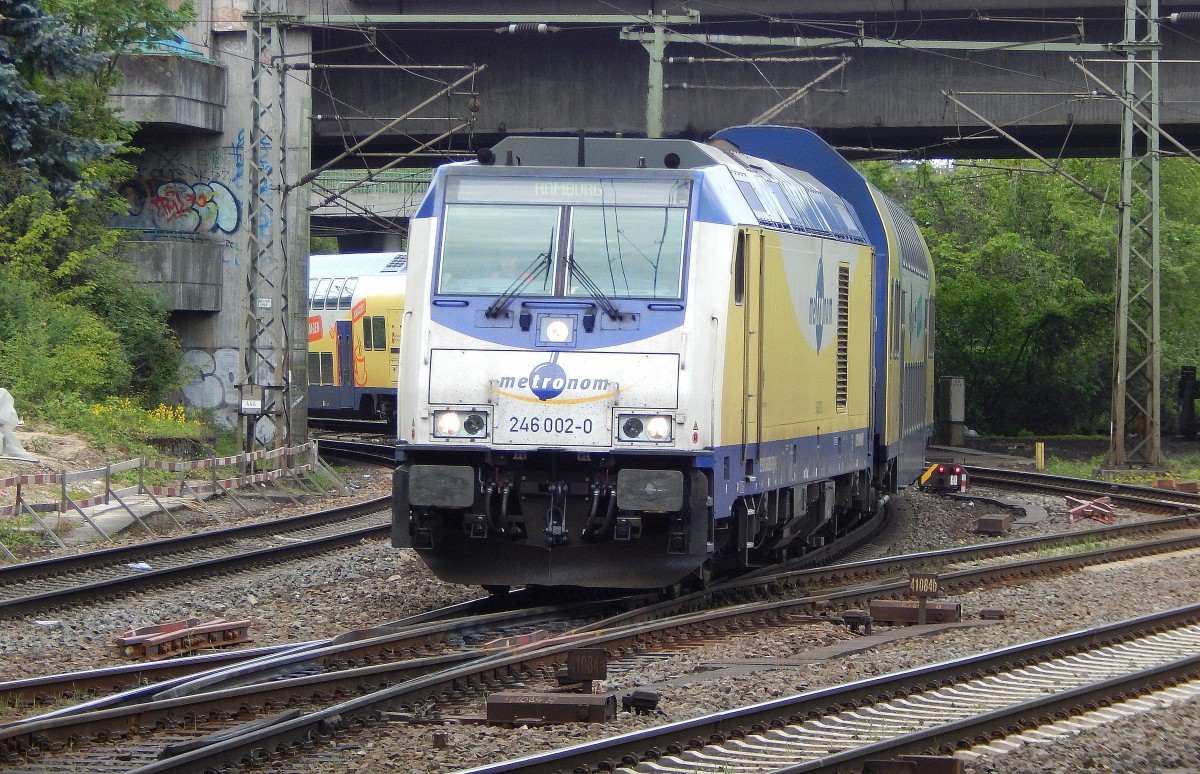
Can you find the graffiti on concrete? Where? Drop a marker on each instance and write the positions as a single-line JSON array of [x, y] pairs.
[[238, 151], [214, 379], [176, 205], [213, 384]]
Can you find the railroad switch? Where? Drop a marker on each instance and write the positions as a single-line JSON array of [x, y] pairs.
[[539, 708], [640, 702], [584, 665], [906, 611], [915, 764], [180, 637], [857, 618], [1100, 509], [994, 525]]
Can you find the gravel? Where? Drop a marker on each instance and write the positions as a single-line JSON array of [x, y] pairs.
[[369, 583]]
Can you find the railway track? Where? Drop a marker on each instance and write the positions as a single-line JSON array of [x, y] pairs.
[[36, 586], [928, 710], [372, 441], [369, 688], [1137, 497], [1141, 539]]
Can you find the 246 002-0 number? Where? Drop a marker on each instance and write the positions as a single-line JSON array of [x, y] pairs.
[[551, 425]]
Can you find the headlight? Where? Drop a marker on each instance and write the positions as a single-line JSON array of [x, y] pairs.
[[473, 424], [556, 329], [460, 424], [658, 429], [448, 423], [655, 428]]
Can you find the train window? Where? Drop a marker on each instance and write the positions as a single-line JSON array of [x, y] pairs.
[[814, 212], [627, 252], [335, 293], [488, 247], [829, 214], [785, 204], [347, 299], [374, 333], [802, 204], [894, 323], [318, 299], [843, 213], [320, 368]]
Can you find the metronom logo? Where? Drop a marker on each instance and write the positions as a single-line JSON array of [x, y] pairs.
[[548, 380]]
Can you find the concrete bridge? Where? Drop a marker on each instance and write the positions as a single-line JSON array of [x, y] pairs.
[[870, 79], [368, 94]]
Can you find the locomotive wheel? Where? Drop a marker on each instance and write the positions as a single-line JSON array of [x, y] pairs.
[[674, 591]]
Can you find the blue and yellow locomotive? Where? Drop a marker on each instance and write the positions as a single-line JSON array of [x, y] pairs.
[[633, 363]]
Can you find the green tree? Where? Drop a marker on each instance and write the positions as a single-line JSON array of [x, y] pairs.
[[105, 333], [1026, 264], [1024, 297], [41, 140]]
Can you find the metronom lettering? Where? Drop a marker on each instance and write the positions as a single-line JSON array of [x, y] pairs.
[[557, 383]]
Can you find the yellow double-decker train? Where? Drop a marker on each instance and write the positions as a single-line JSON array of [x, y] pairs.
[[355, 306]]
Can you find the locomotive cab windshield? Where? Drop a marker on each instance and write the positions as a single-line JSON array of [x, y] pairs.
[[587, 237]]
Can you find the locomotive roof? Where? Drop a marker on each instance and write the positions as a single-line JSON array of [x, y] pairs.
[[357, 264], [613, 152], [804, 149], [761, 180]]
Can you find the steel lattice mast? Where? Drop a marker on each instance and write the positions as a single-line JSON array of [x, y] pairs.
[[1137, 377], [266, 386]]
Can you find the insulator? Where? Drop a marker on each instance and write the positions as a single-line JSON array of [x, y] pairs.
[[1184, 16], [528, 28]]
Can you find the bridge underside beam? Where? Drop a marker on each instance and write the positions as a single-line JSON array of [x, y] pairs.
[[882, 102]]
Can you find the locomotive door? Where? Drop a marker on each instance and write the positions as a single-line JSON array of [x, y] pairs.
[[752, 246], [343, 390], [394, 317]]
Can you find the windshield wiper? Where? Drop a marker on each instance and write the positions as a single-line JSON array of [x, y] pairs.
[[539, 265], [603, 301]]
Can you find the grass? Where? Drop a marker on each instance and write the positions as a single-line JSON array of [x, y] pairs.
[[20, 533], [1185, 468], [1180, 467], [120, 426]]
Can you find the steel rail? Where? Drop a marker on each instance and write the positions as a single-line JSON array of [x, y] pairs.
[[628, 750], [293, 733], [1133, 495], [113, 679], [10, 574], [126, 683], [55, 570]]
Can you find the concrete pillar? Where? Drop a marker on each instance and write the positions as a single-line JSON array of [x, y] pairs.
[[950, 422]]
